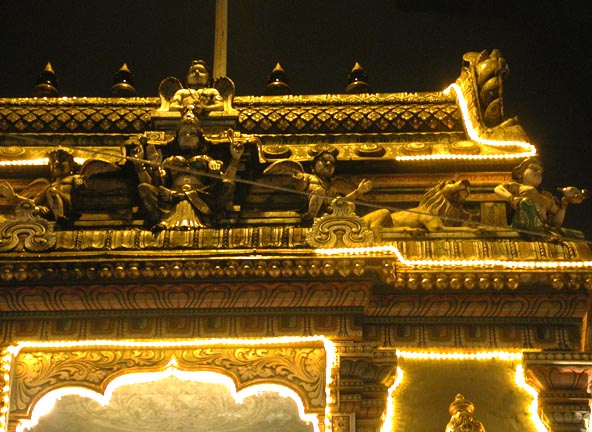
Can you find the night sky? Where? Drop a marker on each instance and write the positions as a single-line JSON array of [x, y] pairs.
[[404, 45]]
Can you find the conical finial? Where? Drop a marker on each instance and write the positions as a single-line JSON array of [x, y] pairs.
[[358, 80], [47, 83], [123, 83], [462, 418], [277, 84]]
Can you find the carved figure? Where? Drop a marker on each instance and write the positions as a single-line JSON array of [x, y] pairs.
[[53, 197], [199, 93], [319, 185], [441, 208], [490, 71], [535, 209], [462, 416], [187, 188]]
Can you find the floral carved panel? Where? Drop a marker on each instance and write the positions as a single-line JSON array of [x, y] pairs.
[[299, 367]]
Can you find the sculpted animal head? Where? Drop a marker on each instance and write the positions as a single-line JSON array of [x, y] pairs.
[[447, 199]]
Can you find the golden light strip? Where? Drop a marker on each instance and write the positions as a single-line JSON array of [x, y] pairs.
[[389, 415], [5, 371], [50, 399], [460, 355], [528, 149], [534, 412], [35, 162], [488, 263]]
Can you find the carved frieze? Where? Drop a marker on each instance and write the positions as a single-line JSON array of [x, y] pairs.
[[208, 323], [200, 295]]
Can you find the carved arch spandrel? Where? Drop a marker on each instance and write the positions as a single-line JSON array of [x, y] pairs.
[[298, 367]]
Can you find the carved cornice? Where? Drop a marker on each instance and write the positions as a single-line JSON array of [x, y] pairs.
[[195, 296], [365, 374], [400, 112], [74, 115], [480, 306], [563, 382], [161, 324], [496, 334]]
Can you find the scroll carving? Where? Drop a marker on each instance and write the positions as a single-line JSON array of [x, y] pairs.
[[342, 228], [300, 368], [26, 231]]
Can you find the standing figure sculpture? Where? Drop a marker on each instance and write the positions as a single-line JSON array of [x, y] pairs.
[[188, 188], [534, 209]]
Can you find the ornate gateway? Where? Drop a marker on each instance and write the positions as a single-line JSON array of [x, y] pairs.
[[366, 256]]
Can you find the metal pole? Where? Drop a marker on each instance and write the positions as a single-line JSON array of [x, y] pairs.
[[220, 38]]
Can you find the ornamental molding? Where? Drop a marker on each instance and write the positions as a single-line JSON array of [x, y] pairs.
[[90, 325], [398, 112], [193, 296], [479, 306]]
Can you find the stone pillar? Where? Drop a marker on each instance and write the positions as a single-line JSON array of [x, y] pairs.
[[563, 383], [366, 372]]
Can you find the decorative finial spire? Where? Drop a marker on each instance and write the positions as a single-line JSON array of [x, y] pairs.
[[358, 80], [123, 83], [277, 84], [462, 418], [47, 83]]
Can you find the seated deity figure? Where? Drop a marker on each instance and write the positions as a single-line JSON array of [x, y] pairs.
[[199, 94], [536, 209], [188, 188], [55, 200]]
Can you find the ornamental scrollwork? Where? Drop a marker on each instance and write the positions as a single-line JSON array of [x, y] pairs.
[[300, 368], [342, 228]]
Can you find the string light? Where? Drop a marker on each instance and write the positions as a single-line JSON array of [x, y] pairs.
[[35, 162], [471, 263], [461, 355], [389, 415], [534, 412]]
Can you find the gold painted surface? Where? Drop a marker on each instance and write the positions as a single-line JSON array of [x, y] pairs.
[[300, 367], [423, 397], [172, 404]]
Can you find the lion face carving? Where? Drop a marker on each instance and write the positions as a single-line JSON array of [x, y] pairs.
[[440, 208]]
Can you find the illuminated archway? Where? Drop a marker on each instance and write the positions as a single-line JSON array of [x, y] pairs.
[[298, 368], [174, 403]]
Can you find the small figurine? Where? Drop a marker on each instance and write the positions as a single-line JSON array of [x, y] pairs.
[[319, 185], [187, 188], [463, 418], [440, 209], [53, 197], [534, 209], [199, 94]]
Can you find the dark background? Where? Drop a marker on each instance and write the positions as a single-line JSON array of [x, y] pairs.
[[404, 46]]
